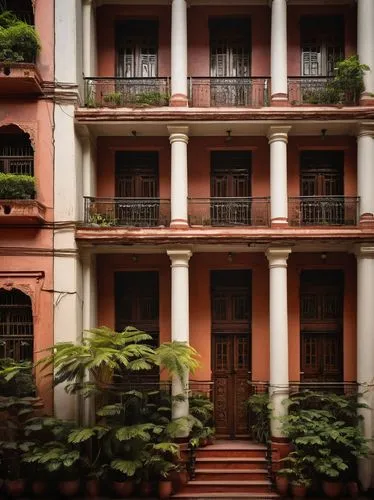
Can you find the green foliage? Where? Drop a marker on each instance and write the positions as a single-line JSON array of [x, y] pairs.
[[19, 42], [16, 378], [102, 220], [114, 98], [297, 469], [17, 187], [177, 358], [152, 99], [260, 411]]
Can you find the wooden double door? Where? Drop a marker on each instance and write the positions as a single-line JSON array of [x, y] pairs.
[[231, 351]]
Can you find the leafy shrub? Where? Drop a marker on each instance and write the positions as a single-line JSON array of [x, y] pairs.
[[16, 379], [19, 42], [260, 411], [114, 98], [17, 187]]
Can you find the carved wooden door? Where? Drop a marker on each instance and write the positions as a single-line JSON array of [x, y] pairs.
[[231, 351], [321, 312]]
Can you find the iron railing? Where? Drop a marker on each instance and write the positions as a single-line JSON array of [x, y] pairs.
[[126, 92], [318, 90], [346, 388], [230, 211], [20, 165], [323, 211], [131, 212], [250, 92]]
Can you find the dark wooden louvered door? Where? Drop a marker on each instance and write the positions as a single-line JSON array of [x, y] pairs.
[[137, 304], [231, 187], [321, 312], [137, 183], [231, 351], [322, 183]]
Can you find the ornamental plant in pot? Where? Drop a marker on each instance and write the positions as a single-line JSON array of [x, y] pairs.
[[282, 482], [298, 470]]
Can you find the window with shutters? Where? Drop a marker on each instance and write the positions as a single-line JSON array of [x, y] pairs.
[[322, 44], [16, 326], [137, 48], [230, 187], [16, 152]]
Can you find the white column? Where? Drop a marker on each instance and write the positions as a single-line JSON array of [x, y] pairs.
[[89, 319], [180, 317], [88, 38], [365, 174], [365, 349], [278, 138], [278, 311], [365, 43], [278, 69], [179, 177], [179, 53]]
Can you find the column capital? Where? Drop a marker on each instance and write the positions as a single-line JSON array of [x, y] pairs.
[[279, 133], [179, 257], [364, 251], [365, 129], [88, 2], [178, 134], [277, 256], [273, 1]]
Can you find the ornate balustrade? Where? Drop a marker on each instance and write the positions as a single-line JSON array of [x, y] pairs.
[[323, 211]]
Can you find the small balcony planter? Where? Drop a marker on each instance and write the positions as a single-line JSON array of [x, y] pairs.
[[17, 205]]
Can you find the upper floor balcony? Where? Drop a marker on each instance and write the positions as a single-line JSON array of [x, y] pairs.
[[225, 59]]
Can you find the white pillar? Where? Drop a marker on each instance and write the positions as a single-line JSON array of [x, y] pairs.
[[89, 319], [278, 311], [365, 174], [365, 349], [89, 39], [278, 138], [278, 69], [179, 53], [180, 318], [179, 177], [365, 43]]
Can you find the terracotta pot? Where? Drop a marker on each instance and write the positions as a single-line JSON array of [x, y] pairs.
[[15, 487], [39, 487], [298, 490], [353, 489], [183, 477], [165, 489], [69, 488], [332, 489], [123, 488], [282, 484], [145, 489], [92, 488]]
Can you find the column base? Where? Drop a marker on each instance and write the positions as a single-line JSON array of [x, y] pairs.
[[367, 100], [367, 220], [179, 224], [279, 100], [280, 448], [279, 222], [178, 100]]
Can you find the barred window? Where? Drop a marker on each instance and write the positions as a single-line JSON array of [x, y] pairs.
[[16, 152], [16, 326]]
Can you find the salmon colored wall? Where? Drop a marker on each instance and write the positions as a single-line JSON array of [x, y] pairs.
[[293, 29], [298, 262], [106, 149], [44, 23], [200, 309], [199, 149], [346, 144], [107, 265], [43, 302], [199, 44], [108, 15]]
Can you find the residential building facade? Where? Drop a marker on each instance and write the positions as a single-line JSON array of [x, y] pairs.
[[210, 185]]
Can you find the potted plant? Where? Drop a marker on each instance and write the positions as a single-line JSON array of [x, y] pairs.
[[113, 99], [282, 482], [259, 415], [17, 187], [349, 79], [298, 470], [19, 41]]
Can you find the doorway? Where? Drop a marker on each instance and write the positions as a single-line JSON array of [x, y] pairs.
[[231, 351]]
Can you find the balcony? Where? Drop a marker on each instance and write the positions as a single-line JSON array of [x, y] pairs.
[[323, 211], [316, 90], [126, 212], [21, 212], [19, 79], [245, 92], [229, 211], [116, 92]]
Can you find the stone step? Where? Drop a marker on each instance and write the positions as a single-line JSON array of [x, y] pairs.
[[231, 463], [227, 487], [230, 496], [211, 451], [231, 474]]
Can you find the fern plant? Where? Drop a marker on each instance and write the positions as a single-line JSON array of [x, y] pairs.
[[177, 358], [100, 354]]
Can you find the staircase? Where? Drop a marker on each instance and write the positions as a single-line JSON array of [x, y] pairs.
[[229, 469]]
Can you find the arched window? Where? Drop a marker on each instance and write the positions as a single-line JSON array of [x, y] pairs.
[[21, 8], [16, 152], [16, 326]]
